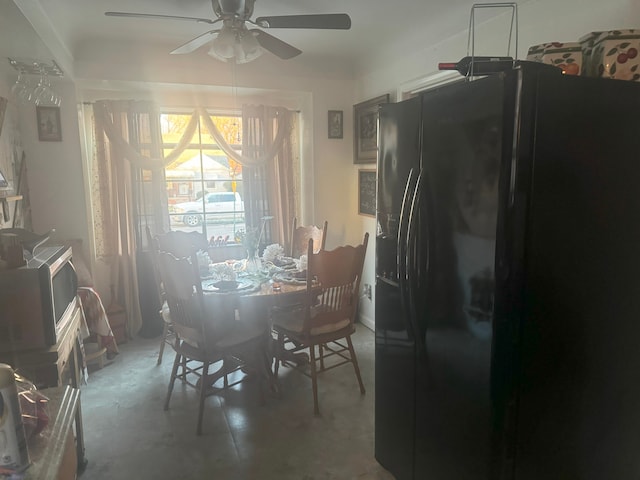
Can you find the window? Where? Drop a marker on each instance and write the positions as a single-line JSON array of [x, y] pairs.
[[183, 193], [204, 186]]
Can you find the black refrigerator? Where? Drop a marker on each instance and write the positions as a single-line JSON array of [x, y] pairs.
[[508, 280]]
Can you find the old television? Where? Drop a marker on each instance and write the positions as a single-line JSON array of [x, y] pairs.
[[38, 299]]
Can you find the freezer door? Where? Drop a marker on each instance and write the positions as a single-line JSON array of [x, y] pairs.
[[399, 153], [455, 256], [579, 405], [398, 163]]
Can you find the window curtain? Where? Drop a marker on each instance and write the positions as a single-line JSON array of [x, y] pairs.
[[269, 138], [120, 129], [128, 192]]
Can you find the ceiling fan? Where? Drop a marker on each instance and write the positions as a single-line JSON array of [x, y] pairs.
[[235, 41]]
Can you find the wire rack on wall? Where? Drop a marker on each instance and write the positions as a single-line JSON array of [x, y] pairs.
[[36, 67]]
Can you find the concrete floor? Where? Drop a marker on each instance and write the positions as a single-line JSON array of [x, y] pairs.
[[129, 435]]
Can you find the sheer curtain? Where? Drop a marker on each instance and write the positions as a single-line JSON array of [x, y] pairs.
[[127, 139], [128, 184], [272, 184]]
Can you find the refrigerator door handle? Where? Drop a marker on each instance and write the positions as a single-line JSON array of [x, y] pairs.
[[411, 229], [411, 267], [401, 261], [403, 229]]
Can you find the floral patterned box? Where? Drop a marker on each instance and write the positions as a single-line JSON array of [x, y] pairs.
[[536, 51], [615, 55], [567, 56]]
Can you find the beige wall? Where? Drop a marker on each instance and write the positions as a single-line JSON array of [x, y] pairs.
[[330, 181], [55, 172]]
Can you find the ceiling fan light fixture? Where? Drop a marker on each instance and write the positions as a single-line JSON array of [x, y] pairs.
[[240, 45], [222, 46], [249, 48], [221, 52], [246, 57]]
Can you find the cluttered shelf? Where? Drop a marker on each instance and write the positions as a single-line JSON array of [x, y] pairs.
[[52, 451], [51, 368], [50, 439]]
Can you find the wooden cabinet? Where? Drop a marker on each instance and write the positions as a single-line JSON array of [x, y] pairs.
[[53, 452], [47, 367]]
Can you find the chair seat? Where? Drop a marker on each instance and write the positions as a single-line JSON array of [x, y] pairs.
[[292, 320], [194, 353], [240, 334]]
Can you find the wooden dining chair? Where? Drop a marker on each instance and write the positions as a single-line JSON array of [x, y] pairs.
[[300, 236], [326, 317], [180, 244], [167, 337], [204, 338]]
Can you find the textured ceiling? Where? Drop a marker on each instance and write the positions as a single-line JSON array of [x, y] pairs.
[[79, 28]]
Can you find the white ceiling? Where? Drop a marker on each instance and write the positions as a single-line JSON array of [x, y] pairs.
[[79, 30]]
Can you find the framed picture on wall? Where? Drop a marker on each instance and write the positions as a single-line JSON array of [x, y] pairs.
[[49, 129], [365, 133], [367, 192], [335, 124]]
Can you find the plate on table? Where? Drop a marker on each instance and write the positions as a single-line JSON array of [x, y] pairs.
[[294, 278], [227, 286], [284, 262]]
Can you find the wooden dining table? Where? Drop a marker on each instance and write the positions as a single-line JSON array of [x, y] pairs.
[[258, 290], [251, 301]]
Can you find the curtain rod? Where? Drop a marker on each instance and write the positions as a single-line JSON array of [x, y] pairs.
[[179, 106]]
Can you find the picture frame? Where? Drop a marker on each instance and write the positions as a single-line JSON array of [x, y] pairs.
[[367, 192], [365, 129], [49, 128], [335, 124]]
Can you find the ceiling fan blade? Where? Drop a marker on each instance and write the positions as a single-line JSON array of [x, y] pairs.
[[161, 17], [275, 45], [195, 43], [339, 21]]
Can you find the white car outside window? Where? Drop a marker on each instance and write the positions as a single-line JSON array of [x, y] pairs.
[[222, 205]]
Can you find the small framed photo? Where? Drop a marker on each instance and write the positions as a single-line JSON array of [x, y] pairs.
[[365, 134], [49, 129], [367, 192], [335, 124]]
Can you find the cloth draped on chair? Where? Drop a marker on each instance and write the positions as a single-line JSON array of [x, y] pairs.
[[96, 318]]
